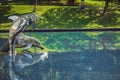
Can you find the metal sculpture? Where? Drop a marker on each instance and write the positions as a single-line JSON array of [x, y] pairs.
[[23, 40], [18, 26]]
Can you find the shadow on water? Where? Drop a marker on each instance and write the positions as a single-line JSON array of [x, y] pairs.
[[85, 65], [2, 41]]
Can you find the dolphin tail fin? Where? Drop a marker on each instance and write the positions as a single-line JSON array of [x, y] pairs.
[[13, 18]]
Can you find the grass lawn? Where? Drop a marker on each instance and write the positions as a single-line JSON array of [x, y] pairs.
[[95, 2], [67, 17]]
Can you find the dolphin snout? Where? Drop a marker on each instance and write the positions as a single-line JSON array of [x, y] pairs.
[[41, 47]]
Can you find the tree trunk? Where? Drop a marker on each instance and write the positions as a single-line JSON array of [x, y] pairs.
[[106, 7], [35, 6], [49, 1], [4, 2], [82, 4], [70, 2], [119, 2]]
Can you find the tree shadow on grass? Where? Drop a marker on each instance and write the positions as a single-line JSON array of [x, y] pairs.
[[109, 20], [65, 17], [73, 17], [4, 10]]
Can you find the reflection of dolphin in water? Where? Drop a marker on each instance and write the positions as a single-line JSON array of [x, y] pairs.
[[23, 41]]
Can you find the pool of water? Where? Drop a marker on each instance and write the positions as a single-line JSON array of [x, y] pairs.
[[71, 56]]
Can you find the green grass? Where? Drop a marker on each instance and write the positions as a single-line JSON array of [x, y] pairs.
[[67, 17], [96, 2]]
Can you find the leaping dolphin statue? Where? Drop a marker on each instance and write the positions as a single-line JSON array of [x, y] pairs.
[[18, 26], [23, 41]]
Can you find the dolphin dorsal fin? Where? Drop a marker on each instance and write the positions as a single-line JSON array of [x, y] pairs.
[[13, 18]]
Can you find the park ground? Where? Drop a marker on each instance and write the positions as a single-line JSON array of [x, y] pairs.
[[72, 55], [67, 16]]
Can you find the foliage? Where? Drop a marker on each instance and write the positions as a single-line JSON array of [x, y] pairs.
[[4, 11]]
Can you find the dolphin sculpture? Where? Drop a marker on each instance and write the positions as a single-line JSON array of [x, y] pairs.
[[18, 26], [23, 41], [13, 18], [24, 20]]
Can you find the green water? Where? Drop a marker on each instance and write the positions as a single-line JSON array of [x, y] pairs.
[[76, 41]]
